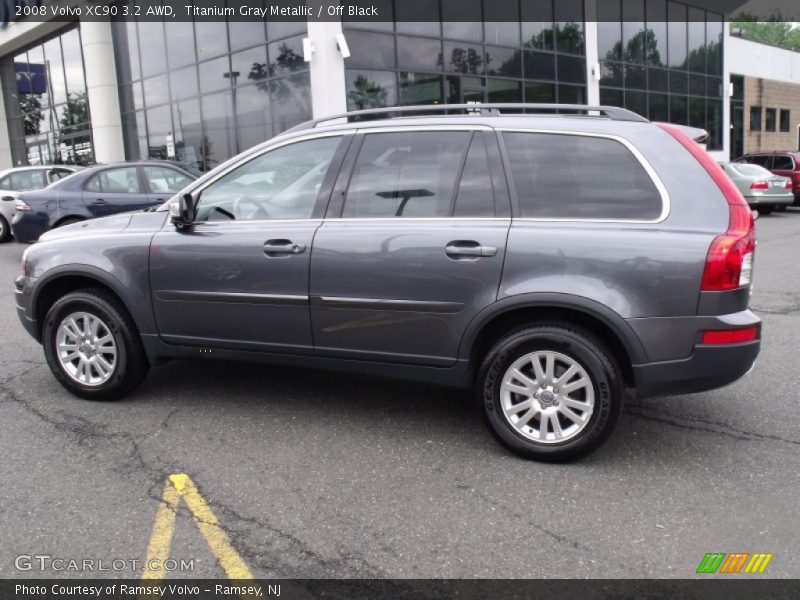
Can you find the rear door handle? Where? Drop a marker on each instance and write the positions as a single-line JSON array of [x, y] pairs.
[[100, 202], [283, 248], [469, 249]]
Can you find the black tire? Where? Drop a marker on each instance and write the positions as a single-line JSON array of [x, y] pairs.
[[578, 345], [5, 230], [781, 208], [131, 362], [764, 210]]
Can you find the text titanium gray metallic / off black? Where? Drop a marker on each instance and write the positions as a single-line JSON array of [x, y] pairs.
[[548, 261]]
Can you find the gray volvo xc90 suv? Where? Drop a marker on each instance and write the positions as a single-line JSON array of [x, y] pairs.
[[549, 261]]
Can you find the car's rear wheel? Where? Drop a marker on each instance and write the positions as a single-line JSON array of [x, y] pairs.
[[550, 392], [5, 230], [92, 346]]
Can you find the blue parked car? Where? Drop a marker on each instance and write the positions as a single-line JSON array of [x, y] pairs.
[[97, 192]]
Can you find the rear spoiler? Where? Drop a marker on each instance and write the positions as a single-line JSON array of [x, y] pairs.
[[698, 135]]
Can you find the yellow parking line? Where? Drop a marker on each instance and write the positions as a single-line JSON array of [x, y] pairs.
[[180, 486]]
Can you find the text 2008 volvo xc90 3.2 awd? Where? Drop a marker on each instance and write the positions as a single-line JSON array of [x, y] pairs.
[[549, 261]]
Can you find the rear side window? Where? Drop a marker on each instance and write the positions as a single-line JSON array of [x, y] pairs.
[[783, 163], [410, 174], [58, 174], [162, 179], [760, 160], [475, 194], [579, 177], [115, 181], [27, 180]]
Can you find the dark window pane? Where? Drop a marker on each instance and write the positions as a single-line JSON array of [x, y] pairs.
[[609, 97], [786, 120], [678, 82], [180, 44], [658, 80], [571, 70], [697, 112], [475, 195], [291, 101], [132, 67], [405, 175], [463, 58], [286, 56], [218, 128], [540, 65], [420, 88], [611, 74], [569, 26], [251, 65], [576, 177], [212, 38], [246, 33], [370, 89], [678, 110], [571, 94], [184, 82], [462, 20], [697, 41], [538, 30], [501, 90], [771, 119], [659, 107], [212, 75], [159, 126], [677, 34], [503, 61], [188, 133], [253, 119], [633, 31], [637, 102], [714, 87], [714, 124], [697, 85], [73, 62], [755, 118], [152, 48], [156, 90], [656, 45], [370, 50], [714, 43], [540, 93], [418, 53], [609, 30], [501, 22]]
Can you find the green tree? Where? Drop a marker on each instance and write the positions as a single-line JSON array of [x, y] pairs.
[[367, 93], [775, 30]]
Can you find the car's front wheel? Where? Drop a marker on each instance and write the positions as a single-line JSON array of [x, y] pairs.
[[92, 346], [550, 392], [5, 230]]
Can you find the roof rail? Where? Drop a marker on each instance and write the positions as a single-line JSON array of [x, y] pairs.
[[490, 108]]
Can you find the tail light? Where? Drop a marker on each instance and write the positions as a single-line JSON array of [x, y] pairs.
[[730, 336], [21, 206], [789, 184], [759, 185], [729, 263]]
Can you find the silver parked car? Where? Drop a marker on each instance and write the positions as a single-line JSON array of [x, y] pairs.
[[23, 179], [763, 191]]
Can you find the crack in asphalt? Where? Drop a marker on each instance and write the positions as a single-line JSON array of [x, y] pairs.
[[662, 416]]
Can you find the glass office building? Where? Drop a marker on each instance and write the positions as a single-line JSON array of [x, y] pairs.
[[200, 92]]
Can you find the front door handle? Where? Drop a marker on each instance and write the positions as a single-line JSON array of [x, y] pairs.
[[283, 248], [468, 249], [100, 202]]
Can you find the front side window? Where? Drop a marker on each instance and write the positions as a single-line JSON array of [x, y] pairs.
[[580, 177], [162, 179], [280, 184], [411, 174], [115, 181], [26, 180]]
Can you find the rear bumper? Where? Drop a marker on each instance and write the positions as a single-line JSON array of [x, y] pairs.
[[28, 226], [708, 368], [767, 200]]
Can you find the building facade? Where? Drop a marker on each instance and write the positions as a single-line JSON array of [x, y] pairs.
[[203, 91]]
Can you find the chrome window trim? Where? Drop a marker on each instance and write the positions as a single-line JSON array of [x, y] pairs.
[[666, 203]]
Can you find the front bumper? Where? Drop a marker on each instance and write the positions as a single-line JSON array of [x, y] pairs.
[[23, 287], [709, 367]]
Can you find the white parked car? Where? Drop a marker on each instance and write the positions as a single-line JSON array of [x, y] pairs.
[[22, 179]]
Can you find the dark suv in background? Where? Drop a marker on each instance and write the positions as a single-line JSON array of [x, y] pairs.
[[786, 164], [547, 261]]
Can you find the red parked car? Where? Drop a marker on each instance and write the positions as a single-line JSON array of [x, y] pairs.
[[786, 164]]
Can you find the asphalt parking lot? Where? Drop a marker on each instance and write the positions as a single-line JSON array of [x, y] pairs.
[[325, 475]]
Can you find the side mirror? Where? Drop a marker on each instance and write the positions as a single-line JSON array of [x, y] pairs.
[[181, 213]]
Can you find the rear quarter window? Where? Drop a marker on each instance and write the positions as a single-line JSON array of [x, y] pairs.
[[559, 176]]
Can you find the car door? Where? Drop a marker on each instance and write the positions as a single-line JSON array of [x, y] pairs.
[[412, 247], [162, 182], [114, 190], [237, 278]]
